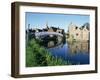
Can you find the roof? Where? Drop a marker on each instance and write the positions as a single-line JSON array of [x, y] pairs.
[[86, 25], [54, 28]]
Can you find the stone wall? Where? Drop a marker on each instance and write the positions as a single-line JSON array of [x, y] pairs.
[[77, 33]]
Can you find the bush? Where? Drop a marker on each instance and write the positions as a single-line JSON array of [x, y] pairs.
[[37, 55]]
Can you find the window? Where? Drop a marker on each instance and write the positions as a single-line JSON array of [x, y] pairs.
[[77, 34], [76, 27]]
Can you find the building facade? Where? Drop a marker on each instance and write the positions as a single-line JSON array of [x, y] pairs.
[[79, 33]]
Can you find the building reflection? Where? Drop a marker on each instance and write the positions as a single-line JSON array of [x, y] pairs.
[[78, 47]]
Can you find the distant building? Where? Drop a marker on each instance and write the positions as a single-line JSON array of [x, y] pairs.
[[38, 30], [54, 29], [79, 33], [46, 29]]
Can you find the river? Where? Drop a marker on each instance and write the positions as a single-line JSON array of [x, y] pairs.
[[74, 52]]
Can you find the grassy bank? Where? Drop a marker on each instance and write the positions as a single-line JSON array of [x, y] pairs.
[[37, 55]]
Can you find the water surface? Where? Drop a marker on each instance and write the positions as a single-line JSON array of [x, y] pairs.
[[76, 52]]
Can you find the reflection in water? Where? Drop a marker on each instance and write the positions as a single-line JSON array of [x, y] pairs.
[[53, 44], [77, 47], [75, 52], [50, 43]]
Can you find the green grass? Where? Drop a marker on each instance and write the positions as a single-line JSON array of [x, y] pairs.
[[37, 55]]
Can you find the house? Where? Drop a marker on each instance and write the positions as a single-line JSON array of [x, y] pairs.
[[60, 31], [54, 29], [79, 33], [38, 30]]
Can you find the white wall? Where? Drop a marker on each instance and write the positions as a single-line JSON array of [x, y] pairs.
[[5, 40]]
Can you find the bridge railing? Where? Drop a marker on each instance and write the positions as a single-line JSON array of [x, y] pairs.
[[48, 33]]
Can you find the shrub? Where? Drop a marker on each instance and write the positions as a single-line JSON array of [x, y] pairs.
[[37, 55]]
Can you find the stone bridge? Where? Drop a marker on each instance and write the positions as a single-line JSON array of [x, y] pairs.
[[40, 34]]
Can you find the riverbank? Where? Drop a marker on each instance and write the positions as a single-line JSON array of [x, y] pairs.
[[37, 55]]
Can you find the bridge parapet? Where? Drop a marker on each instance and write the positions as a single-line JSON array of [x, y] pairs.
[[37, 34]]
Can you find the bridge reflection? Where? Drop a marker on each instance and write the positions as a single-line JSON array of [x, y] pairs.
[[73, 48], [52, 45]]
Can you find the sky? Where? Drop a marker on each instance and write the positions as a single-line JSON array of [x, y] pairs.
[[39, 20]]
